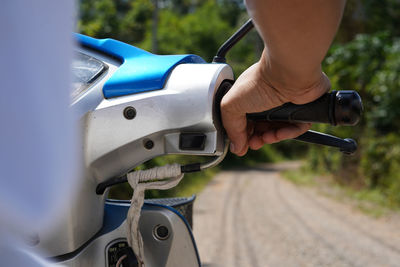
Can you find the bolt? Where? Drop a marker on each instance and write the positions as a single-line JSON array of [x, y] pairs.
[[129, 113], [161, 232], [148, 144]]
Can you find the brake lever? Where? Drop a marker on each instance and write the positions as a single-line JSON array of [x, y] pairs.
[[347, 146]]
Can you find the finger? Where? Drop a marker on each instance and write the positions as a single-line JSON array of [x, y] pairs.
[[250, 128], [286, 132], [235, 123], [292, 131], [256, 142], [236, 129], [249, 132], [243, 151]]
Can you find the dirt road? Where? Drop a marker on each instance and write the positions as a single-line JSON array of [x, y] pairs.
[[255, 218]]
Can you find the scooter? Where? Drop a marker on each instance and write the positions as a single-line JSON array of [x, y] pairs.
[[135, 106]]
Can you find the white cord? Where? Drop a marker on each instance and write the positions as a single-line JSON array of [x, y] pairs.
[[164, 177]]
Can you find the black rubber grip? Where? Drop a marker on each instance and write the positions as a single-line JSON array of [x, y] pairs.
[[335, 108]]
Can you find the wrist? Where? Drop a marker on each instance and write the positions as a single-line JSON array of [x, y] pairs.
[[298, 87]]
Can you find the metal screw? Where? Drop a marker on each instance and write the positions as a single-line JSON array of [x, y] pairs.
[[148, 144], [161, 232], [129, 113]]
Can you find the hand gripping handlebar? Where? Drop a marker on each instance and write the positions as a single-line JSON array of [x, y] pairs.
[[335, 108]]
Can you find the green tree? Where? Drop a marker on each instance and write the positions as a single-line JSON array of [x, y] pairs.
[[135, 21], [98, 18]]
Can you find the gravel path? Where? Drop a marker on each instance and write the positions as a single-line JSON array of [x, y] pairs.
[[255, 218]]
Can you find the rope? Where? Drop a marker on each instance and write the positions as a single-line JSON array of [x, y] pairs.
[[164, 177]]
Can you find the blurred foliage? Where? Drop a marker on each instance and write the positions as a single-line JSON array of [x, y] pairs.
[[200, 32], [369, 64], [365, 57], [184, 26]]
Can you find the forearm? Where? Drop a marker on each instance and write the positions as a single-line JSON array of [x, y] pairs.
[[297, 35]]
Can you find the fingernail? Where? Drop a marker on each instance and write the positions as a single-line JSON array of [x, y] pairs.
[[232, 147]]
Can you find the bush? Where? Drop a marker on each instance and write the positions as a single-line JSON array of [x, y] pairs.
[[369, 64]]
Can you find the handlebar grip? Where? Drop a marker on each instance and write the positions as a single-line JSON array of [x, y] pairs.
[[335, 108]]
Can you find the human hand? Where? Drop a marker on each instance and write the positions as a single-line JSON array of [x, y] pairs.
[[256, 90]]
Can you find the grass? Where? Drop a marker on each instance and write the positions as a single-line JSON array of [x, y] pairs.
[[299, 177], [371, 202]]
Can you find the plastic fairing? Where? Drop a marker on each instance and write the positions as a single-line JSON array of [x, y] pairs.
[[140, 71]]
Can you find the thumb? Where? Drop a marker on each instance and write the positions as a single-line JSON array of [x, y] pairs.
[[236, 129]]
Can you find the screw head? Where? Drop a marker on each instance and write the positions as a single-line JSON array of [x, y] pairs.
[[148, 144], [129, 113], [161, 232]]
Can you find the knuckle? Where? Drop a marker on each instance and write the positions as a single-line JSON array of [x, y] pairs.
[[225, 104]]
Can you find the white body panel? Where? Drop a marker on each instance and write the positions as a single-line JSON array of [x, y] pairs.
[[113, 145]]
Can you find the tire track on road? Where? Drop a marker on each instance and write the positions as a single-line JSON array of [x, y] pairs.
[[350, 224], [254, 218], [313, 233], [222, 228], [235, 216], [244, 233]]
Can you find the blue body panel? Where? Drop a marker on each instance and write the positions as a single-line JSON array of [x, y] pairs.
[[140, 71]]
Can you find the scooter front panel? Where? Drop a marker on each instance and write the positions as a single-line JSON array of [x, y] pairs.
[[177, 248]]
